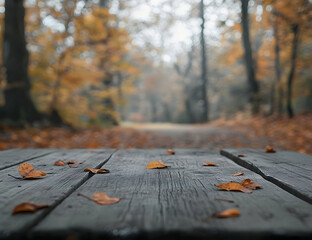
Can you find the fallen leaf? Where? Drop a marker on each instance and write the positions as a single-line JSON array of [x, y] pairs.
[[269, 149], [228, 213], [241, 155], [59, 163], [156, 165], [250, 185], [27, 171], [72, 166], [101, 198], [208, 164], [234, 186], [170, 151], [28, 207], [238, 174], [72, 162], [94, 170]]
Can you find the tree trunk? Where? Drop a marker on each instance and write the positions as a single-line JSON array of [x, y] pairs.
[[295, 30], [19, 106], [204, 78], [277, 66], [249, 62]]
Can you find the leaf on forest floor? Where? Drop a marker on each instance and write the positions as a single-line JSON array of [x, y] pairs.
[[170, 151], [156, 165], [269, 149], [28, 207], [238, 174], [27, 171], [94, 170], [228, 213], [209, 164], [101, 198], [250, 185], [59, 163], [241, 155]]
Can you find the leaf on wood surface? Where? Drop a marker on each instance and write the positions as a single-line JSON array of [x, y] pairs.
[[94, 170], [228, 213], [208, 164], [72, 162], [28, 207], [27, 171], [59, 163], [269, 149], [241, 155], [238, 174], [156, 165], [250, 185], [101, 198], [170, 151], [234, 186]]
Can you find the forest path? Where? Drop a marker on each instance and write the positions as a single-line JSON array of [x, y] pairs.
[[196, 135]]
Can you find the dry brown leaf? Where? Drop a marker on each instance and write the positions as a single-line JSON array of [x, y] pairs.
[[156, 165], [170, 151], [72, 162], [28, 207], [234, 186], [241, 155], [232, 212], [269, 149], [28, 172], [208, 164], [94, 170], [59, 163], [250, 185], [101, 198], [238, 174]]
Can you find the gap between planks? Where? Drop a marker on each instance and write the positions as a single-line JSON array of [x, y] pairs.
[[271, 179], [51, 208]]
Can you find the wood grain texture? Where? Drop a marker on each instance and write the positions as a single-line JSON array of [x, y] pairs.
[[289, 170], [59, 182], [176, 203], [12, 157]]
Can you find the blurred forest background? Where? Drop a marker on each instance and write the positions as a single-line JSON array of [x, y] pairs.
[[156, 73]]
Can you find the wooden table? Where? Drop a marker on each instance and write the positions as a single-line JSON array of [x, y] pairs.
[[173, 203]]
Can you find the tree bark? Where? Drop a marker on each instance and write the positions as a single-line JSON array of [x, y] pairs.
[[295, 30], [249, 61], [204, 71], [19, 106]]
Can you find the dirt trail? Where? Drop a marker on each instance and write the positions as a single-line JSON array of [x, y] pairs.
[[196, 135]]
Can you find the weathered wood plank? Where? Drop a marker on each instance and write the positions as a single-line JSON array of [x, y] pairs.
[[12, 157], [173, 203], [289, 170], [52, 189]]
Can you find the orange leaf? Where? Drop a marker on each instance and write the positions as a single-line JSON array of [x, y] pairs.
[[94, 170], [28, 207], [59, 163], [232, 212], [170, 151], [101, 198], [27, 171], [250, 185], [208, 164], [238, 174], [234, 186], [269, 149], [156, 165], [241, 155]]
